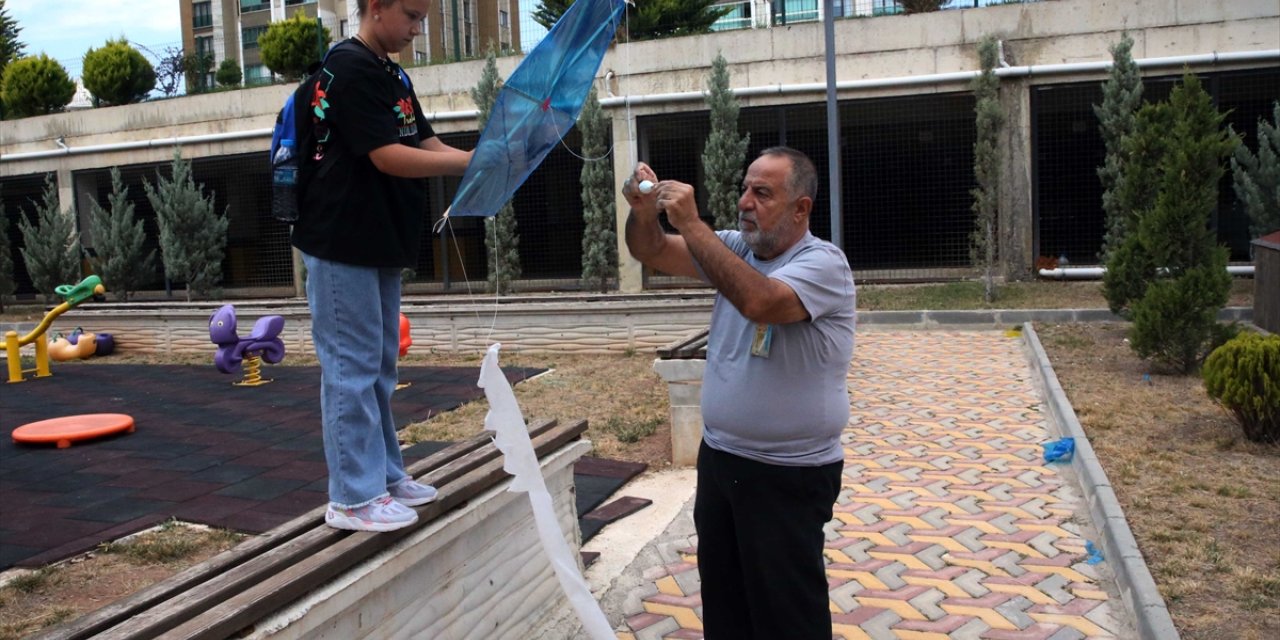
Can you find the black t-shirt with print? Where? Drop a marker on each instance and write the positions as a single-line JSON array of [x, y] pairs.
[[350, 211]]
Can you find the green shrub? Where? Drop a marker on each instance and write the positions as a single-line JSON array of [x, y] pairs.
[[1243, 376], [35, 86], [290, 46], [229, 74], [1174, 322], [117, 73]]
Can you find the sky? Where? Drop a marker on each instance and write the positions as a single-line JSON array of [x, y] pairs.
[[66, 29]]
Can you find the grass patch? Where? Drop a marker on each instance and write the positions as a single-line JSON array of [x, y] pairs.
[[34, 581], [170, 543], [631, 431], [1037, 294]]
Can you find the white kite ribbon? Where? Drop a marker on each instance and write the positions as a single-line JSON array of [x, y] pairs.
[[511, 436]]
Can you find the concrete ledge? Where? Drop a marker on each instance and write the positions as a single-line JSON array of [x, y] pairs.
[[609, 323], [439, 582], [1119, 547]]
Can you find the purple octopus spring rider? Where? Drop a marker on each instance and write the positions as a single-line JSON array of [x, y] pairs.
[[263, 344]]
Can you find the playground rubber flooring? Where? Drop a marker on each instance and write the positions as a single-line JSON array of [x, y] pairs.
[[204, 451]]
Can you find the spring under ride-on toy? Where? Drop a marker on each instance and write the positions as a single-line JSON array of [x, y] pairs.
[[263, 344]]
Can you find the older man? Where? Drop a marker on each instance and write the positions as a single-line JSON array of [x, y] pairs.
[[774, 395]]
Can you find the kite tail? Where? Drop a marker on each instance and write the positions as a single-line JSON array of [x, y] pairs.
[[511, 436]]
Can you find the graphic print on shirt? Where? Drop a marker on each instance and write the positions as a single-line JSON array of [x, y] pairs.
[[320, 103], [408, 120]]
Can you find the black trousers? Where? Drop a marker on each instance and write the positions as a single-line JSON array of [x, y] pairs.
[[760, 546]]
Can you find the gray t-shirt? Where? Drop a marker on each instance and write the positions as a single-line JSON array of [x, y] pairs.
[[787, 408]]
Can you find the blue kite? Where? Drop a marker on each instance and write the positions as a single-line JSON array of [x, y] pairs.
[[537, 106]]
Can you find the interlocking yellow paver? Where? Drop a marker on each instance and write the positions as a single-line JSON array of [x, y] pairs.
[[1079, 623], [685, 616], [946, 492], [668, 585]]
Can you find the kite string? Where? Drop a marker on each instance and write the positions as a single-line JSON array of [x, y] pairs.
[[462, 264], [626, 17]]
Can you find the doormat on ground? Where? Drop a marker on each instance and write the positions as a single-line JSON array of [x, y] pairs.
[[204, 451]]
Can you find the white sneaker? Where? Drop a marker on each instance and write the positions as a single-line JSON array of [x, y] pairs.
[[383, 514], [412, 493]]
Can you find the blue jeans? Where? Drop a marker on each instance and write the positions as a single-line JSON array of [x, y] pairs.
[[355, 323]]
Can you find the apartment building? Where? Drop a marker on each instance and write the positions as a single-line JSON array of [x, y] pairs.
[[453, 30]]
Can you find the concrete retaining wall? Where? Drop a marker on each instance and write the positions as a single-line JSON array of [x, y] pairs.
[[477, 573]]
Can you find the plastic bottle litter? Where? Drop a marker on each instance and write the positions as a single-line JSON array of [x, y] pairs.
[[284, 183]]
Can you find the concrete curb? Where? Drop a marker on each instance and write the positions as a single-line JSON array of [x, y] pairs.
[[1007, 317], [1119, 547]]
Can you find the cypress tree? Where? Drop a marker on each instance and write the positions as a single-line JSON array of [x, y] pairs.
[[1176, 317], [599, 237], [1121, 98], [500, 235], [1130, 267], [726, 152], [1257, 177], [983, 242], [193, 235], [52, 251], [118, 238]]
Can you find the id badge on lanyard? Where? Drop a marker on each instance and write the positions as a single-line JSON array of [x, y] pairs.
[[762, 341]]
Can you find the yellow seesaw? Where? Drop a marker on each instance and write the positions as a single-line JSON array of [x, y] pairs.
[[72, 295]]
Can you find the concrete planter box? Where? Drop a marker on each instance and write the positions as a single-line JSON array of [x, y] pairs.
[[477, 572], [684, 388]]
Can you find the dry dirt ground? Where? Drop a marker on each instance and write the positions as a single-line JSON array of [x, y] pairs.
[[1203, 503]]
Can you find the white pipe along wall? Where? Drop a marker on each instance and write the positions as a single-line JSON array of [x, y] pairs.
[[743, 92], [1093, 273]]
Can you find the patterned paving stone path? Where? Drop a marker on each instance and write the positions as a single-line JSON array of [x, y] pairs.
[[949, 524]]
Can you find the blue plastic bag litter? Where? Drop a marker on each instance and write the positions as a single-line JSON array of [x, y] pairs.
[[1095, 554], [1059, 450]]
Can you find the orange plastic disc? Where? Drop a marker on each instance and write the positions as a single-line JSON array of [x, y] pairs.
[[68, 429]]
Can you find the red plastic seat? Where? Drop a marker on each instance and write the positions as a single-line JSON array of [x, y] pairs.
[[68, 429]]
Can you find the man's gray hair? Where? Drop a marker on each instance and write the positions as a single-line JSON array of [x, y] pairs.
[[804, 176]]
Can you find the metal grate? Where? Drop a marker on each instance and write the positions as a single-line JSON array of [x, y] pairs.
[[21, 196], [548, 210], [906, 168], [1068, 149], [257, 252]]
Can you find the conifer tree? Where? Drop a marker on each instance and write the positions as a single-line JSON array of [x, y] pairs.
[[118, 238], [289, 46], [983, 242], [8, 283], [1257, 177], [52, 251], [10, 46], [1187, 280], [117, 73], [1121, 98], [35, 86], [726, 152], [1129, 265], [193, 236], [599, 236], [500, 235]]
